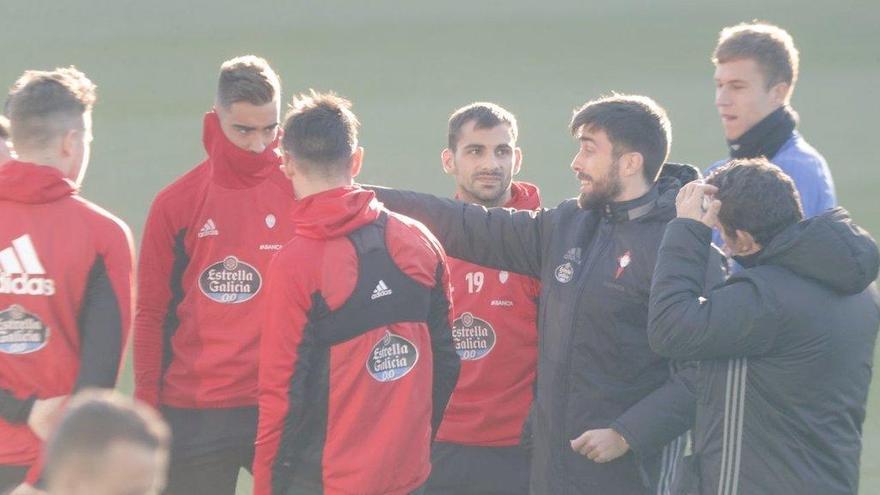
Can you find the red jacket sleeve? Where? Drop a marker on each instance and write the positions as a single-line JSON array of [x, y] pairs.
[[284, 321], [155, 272]]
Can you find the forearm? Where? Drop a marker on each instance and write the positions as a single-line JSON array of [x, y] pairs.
[[497, 238]]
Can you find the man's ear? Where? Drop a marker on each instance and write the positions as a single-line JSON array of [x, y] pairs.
[[70, 142], [745, 243], [631, 164], [357, 161], [780, 93], [447, 158], [286, 166]]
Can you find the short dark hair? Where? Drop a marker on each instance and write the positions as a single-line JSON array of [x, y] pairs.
[[632, 123], [4, 128], [771, 47], [485, 115], [321, 132], [757, 197], [43, 105], [94, 421], [248, 79]]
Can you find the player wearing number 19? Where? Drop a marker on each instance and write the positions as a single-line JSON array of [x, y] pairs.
[[356, 359], [495, 329]]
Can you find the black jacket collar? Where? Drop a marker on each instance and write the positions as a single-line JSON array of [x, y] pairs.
[[767, 136]]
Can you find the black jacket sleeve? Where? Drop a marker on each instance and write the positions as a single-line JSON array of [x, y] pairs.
[[446, 361], [13, 410], [735, 319], [670, 410], [101, 327], [663, 415], [500, 238]]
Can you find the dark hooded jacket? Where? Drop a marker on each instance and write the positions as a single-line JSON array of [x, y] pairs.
[[786, 348], [595, 367]]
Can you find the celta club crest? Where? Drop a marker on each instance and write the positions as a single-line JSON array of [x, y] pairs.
[[270, 220], [622, 262], [564, 273], [503, 276]]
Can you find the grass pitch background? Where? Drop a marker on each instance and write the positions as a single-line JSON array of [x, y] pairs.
[[407, 65]]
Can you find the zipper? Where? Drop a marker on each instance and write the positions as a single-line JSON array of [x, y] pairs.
[[594, 252]]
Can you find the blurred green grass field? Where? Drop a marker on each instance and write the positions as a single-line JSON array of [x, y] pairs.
[[407, 65]]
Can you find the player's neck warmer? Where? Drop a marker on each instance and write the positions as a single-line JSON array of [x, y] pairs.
[[232, 166], [767, 136], [524, 196], [30, 183], [335, 212]]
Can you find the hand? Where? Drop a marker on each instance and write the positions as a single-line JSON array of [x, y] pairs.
[[600, 446], [695, 201], [44, 414], [26, 489]]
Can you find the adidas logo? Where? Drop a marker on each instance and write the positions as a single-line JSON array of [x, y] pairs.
[[208, 229], [18, 264], [381, 290]]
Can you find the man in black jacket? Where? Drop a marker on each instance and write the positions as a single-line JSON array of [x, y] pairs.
[[786, 344], [606, 416]]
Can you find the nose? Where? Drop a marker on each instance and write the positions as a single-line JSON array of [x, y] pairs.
[[575, 163], [257, 145], [721, 98]]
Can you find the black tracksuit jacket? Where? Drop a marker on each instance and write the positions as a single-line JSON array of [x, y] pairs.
[[786, 349], [595, 367]]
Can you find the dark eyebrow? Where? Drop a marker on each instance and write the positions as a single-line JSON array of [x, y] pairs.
[[474, 147], [586, 139], [270, 127], [244, 127]]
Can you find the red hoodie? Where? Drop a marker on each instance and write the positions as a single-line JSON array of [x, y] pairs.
[[65, 297], [207, 243], [356, 360], [496, 336]]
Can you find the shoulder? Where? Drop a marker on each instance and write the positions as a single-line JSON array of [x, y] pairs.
[[414, 248], [797, 155], [103, 223], [182, 189], [108, 232], [414, 233]]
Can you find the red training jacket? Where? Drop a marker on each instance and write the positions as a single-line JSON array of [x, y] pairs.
[[354, 415], [208, 240], [65, 298], [496, 336]]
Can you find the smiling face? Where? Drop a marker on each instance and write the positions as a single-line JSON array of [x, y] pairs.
[[250, 127], [597, 168], [742, 97], [483, 164]]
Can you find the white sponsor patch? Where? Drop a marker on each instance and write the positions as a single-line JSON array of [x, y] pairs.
[[21, 332], [474, 337], [392, 358], [230, 281]]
